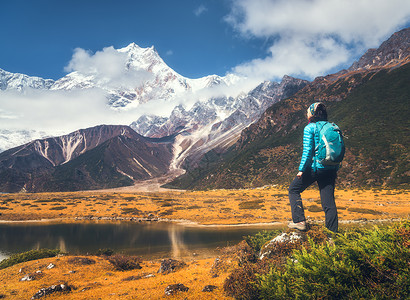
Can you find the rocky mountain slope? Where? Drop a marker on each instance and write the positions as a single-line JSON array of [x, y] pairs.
[[98, 157], [216, 123], [370, 103]]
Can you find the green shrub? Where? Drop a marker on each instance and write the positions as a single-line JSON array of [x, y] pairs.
[[366, 263], [258, 240], [27, 256], [105, 252]]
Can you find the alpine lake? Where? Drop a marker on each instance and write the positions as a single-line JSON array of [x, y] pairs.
[[148, 240]]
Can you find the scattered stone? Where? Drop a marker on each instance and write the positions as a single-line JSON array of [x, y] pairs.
[[72, 272], [216, 267], [209, 288], [32, 276], [170, 265], [50, 266], [2, 296], [51, 290], [28, 277], [131, 278], [23, 270], [174, 288], [138, 277]]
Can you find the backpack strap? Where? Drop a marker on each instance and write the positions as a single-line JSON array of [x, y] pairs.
[[317, 141]]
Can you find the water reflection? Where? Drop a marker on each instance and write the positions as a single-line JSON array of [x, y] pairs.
[[177, 241], [147, 240]]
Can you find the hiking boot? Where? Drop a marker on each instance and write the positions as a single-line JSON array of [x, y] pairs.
[[300, 225]]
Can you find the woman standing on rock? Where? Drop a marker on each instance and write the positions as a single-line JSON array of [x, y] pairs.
[[311, 170]]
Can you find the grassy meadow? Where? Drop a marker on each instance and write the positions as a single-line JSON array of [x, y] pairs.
[[216, 207]]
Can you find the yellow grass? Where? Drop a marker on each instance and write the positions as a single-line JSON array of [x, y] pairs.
[[219, 207], [102, 281]]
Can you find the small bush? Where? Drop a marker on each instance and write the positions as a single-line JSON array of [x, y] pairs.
[[27, 256], [124, 263], [364, 211], [314, 208], [81, 261], [242, 282], [105, 252], [131, 211], [58, 207], [168, 212], [280, 195], [194, 207], [254, 204], [49, 200]]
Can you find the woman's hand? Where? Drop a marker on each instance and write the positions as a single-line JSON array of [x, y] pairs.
[[299, 175]]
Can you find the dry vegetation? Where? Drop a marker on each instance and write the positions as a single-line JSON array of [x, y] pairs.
[[219, 207], [100, 279]]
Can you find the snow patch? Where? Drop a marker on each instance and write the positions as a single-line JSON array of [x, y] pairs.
[[148, 172]]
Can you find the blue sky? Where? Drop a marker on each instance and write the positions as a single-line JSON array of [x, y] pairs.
[[261, 38], [190, 35]]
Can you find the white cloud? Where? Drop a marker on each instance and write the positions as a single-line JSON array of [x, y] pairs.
[[312, 37], [200, 10], [57, 112], [109, 67]]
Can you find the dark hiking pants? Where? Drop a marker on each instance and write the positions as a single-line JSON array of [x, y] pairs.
[[326, 182]]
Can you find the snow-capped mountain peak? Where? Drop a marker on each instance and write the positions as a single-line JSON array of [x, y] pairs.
[[22, 82]]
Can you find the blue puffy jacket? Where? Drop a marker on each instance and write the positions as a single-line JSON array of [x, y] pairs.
[[310, 139]]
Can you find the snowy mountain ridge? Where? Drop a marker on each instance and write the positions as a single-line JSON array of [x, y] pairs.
[[145, 76]]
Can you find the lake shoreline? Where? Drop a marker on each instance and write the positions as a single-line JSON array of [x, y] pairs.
[[185, 223]]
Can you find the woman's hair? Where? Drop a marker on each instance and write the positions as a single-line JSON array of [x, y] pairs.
[[317, 112]]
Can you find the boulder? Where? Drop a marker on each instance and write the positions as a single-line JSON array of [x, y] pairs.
[[51, 290], [27, 277], [50, 266], [174, 288], [285, 237], [170, 265]]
